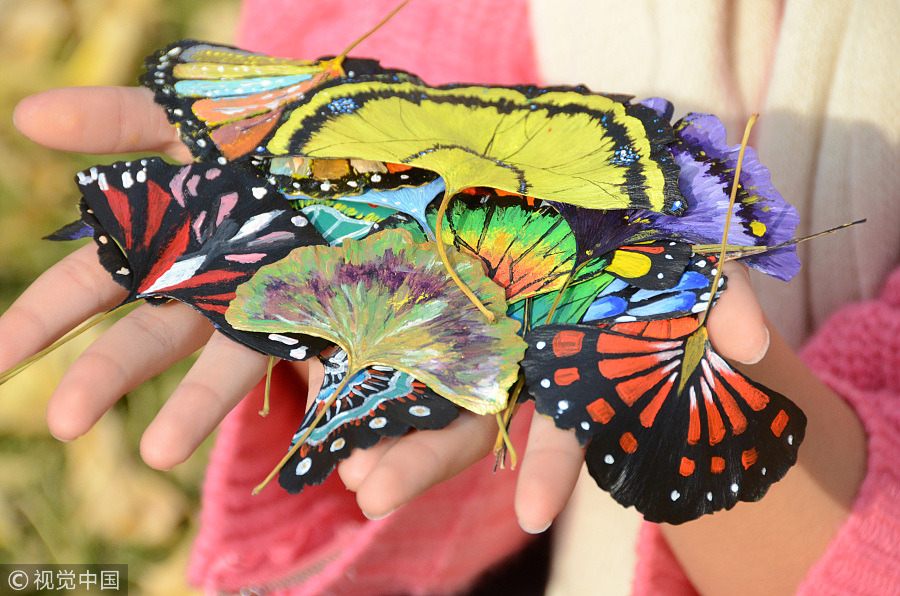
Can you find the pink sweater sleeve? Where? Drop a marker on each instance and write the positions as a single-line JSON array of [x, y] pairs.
[[857, 353]]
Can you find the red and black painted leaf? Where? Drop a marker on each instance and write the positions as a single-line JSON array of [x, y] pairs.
[[378, 402], [670, 427], [193, 233]]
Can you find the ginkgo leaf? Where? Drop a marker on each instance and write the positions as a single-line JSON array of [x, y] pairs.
[[562, 144], [390, 302], [527, 250]]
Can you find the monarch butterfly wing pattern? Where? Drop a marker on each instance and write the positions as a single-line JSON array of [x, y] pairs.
[[378, 402], [194, 233], [621, 301], [674, 448]]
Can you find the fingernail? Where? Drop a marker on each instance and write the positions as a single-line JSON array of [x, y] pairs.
[[762, 353], [534, 530], [58, 438], [373, 517]]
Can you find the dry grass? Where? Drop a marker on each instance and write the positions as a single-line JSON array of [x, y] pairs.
[[92, 500]]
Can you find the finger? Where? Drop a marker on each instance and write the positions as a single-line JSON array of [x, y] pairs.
[[101, 120], [138, 347], [548, 474], [65, 295], [424, 459], [359, 465], [223, 375], [737, 326]]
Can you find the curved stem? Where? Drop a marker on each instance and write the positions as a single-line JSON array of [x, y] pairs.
[[734, 188], [442, 251], [562, 291], [507, 442], [339, 59], [503, 444], [739, 251]]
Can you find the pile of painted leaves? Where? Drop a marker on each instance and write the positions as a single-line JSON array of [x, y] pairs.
[[433, 244]]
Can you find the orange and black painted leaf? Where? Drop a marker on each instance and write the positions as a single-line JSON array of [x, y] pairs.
[[670, 427]]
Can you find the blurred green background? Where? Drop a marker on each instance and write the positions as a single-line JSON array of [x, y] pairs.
[[92, 500]]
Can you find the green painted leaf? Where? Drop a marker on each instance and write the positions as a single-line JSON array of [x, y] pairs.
[[389, 301], [571, 308], [527, 250]]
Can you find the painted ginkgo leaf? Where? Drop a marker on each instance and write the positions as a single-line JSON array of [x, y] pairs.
[[390, 302], [561, 144], [527, 250]]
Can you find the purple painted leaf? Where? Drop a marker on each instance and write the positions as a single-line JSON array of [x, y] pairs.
[[761, 216], [388, 301]]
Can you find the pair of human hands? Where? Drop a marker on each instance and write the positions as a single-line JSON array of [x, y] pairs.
[[147, 341]]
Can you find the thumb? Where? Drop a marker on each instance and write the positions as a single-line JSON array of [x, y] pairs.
[[737, 327]]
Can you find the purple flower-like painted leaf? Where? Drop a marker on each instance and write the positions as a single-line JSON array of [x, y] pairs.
[[761, 216]]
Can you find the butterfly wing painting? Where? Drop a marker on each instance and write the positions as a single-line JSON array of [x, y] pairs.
[[707, 170], [610, 298], [652, 265], [621, 301], [410, 200], [193, 233], [670, 427], [336, 178], [378, 402], [560, 144], [226, 101], [571, 307], [526, 250]]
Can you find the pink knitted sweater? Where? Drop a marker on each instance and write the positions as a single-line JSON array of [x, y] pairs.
[[318, 542]]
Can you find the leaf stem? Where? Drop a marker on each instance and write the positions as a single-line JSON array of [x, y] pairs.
[[734, 189], [338, 60], [8, 374], [442, 251], [503, 443], [265, 409]]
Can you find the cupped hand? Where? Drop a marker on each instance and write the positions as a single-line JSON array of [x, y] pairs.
[[150, 339]]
